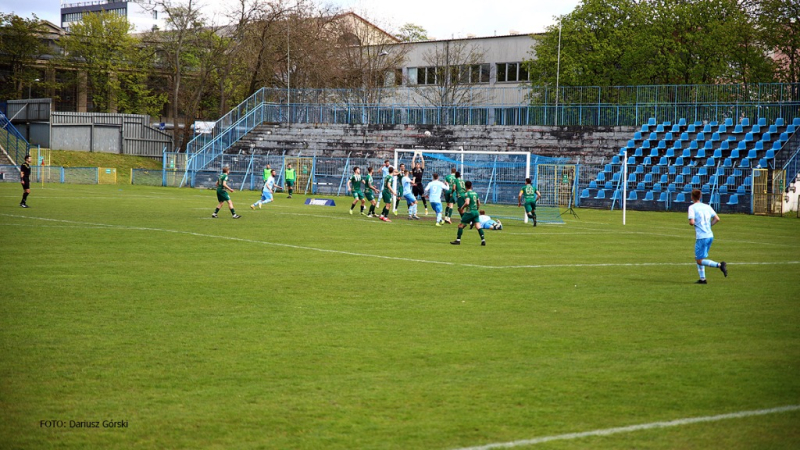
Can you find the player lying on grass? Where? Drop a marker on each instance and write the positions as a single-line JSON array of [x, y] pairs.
[[222, 194], [267, 191], [487, 223]]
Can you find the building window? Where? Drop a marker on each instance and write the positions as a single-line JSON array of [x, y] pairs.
[[511, 72], [466, 74]]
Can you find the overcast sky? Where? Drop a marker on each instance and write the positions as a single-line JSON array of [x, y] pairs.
[[442, 18]]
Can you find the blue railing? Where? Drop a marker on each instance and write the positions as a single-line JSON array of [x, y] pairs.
[[12, 141]]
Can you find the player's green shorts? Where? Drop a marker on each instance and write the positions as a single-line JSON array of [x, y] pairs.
[[387, 197], [358, 195], [530, 205], [222, 196], [290, 183], [448, 197], [370, 195], [469, 217]]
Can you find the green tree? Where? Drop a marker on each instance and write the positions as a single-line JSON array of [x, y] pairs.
[[779, 24], [116, 64], [20, 46], [412, 32]]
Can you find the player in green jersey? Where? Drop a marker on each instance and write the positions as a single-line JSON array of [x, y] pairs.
[[354, 187], [369, 191], [450, 194], [399, 186], [460, 191], [470, 212], [531, 195], [289, 177], [222, 194], [387, 193]]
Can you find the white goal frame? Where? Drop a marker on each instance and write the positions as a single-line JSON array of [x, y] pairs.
[[461, 152]]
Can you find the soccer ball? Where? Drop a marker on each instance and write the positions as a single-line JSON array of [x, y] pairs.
[[428, 133]]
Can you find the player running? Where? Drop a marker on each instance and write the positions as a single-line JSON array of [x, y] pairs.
[[434, 191], [387, 194], [417, 188], [450, 194], [369, 191], [222, 194], [469, 213], [354, 187], [531, 195], [267, 191], [702, 217]]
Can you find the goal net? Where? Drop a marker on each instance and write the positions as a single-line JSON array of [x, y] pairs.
[[497, 177]]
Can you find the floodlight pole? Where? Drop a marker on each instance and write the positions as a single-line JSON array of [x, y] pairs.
[[558, 72]]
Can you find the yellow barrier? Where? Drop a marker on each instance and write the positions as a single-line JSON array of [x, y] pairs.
[[106, 175]]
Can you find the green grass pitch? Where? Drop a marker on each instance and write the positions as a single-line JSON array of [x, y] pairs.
[[301, 327]]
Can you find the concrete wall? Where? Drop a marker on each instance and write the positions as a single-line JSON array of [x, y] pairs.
[[590, 144]]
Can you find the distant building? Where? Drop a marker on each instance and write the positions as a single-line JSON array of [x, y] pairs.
[[142, 14]]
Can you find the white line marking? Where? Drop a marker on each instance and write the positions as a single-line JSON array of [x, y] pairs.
[[632, 428], [368, 255]]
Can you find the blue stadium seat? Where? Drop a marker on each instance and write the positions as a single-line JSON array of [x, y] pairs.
[[647, 161], [631, 145], [763, 163], [668, 137], [616, 177], [636, 137], [651, 121], [731, 139], [723, 189], [779, 122], [709, 145], [702, 172], [639, 169], [741, 190], [638, 152], [759, 145], [654, 153], [766, 137], [593, 184], [701, 137], [701, 153], [707, 128], [784, 137], [748, 181], [661, 145], [687, 171], [742, 146], [616, 195], [727, 163], [659, 128], [678, 179], [645, 128], [731, 181], [633, 196], [770, 154], [631, 161], [601, 177], [670, 153], [678, 161], [791, 128], [680, 198], [648, 178], [687, 187], [773, 129], [695, 181], [640, 186], [675, 129], [714, 199], [648, 196], [748, 137], [646, 144], [762, 122], [682, 122], [714, 138], [710, 162], [609, 185], [728, 122], [752, 154], [756, 129], [662, 197], [601, 194], [672, 170], [693, 145], [725, 145], [690, 128], [744, 163], [717, 153], [608, 168], [615, 160], [687, 153], [722, 129], [684, 137], [671, 187], [735, 153], [738, 129], [745, 122], [585, 193], [655, 170], [657, 187], [631, 178], [776, 145], [706, 189], [653, 137], [733, 200]]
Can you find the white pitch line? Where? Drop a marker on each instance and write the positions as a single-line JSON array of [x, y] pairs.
[[369, 255], [632, 428]]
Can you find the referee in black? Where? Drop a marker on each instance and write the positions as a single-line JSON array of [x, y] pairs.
[[418, 189], [25, 179]]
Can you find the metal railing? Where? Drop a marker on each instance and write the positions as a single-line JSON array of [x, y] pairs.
[[12, 141]]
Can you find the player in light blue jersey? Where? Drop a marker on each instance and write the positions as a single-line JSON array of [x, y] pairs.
[[485, 222], [702, 217], [434, 191], [266, 192], [408, 195]]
